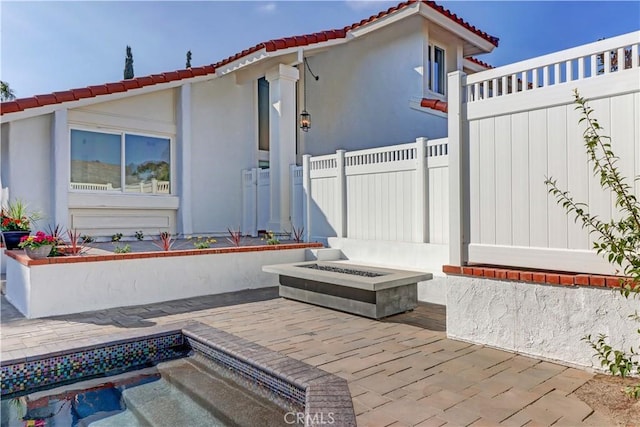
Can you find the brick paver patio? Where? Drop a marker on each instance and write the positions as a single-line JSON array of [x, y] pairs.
[[398, 374]]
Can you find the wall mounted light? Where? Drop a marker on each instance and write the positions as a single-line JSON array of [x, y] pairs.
[[305, 117]]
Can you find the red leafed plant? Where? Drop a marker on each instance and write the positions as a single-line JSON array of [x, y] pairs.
[[165, 241], [235, 237], [74, 243]]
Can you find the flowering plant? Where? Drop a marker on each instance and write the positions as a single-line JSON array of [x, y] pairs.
[[40, 239], [16, 217]]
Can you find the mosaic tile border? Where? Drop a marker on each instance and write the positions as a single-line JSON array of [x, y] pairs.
[[85, 363], [320, 394]]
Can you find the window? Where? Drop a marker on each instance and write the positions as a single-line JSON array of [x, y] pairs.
[[263, 114], [120, 162], [437, 68]]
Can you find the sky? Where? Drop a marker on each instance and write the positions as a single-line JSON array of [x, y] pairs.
[[52, 46]]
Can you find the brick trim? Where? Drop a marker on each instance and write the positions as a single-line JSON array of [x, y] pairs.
[[23, 259], [536, 276]]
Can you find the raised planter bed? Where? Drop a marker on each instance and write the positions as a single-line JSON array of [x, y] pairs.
[[73, 284], [366, 291]]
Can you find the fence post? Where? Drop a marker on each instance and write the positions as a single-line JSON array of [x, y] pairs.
[[341, 194], [306, 200], [456, 169], [422, 213], [154, 185]]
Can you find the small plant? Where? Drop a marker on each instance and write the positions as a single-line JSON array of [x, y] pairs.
[[116, 237], [203, 242], [57, 233], [165, 241], [297, 233], [37, 240], [271, 238], [122, 249], [74, 243], [139, 235], [16, 217], [87, 239], [235, 237]]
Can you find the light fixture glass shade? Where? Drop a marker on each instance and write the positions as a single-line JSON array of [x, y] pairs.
[[305, 121]]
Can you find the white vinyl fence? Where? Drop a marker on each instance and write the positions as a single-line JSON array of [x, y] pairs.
[[394, 193], [256, 196], [518, 125]]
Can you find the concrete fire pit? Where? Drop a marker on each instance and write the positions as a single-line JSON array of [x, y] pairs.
[[366, 291]]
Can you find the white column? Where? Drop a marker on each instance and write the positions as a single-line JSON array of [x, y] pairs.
[[282, 141], [456, 168], [306, 188], [183, 163], [60, 158], [422, 213]]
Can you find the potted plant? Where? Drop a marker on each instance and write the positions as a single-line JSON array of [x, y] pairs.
[[15, 223], [38, 246]]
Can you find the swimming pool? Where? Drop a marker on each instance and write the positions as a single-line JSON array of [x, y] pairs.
[[265, 383]]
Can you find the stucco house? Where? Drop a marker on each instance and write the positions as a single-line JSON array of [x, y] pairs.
[[165, 151]]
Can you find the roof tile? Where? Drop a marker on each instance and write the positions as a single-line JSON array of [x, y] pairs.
[[99, 90], [115, 87], [10, 107], [46, 99]]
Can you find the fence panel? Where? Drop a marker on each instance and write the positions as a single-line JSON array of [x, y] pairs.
[[519, 134], [394, 193], [249, 200]]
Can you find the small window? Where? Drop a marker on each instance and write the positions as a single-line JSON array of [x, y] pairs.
[[98, 163], [263, 114], [437, 69]]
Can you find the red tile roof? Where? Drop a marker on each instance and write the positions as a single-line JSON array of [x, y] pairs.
[[477, 61], [269, 46], [434, 104]]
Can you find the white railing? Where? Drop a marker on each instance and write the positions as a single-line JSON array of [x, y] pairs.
[[614, 55], [90, 186], [393, 193], [153, 187]]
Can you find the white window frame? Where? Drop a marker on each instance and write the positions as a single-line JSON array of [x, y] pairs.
[[430, 66], [122, 133]]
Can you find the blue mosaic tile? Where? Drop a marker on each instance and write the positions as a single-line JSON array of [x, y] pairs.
[[49, 371]]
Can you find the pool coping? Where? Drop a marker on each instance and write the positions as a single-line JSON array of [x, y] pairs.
[[326, 396]]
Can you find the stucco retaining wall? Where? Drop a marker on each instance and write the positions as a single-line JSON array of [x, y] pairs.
[[54, 289], [539, 320]]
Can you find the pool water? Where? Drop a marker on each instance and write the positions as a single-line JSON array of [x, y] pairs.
[[183, 392], [81, 404]]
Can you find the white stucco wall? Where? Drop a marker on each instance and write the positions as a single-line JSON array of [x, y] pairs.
[[223, 142], [362, 98], [539, 320], [56, 289], [26, 163]]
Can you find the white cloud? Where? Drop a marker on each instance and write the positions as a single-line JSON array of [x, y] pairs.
[[267, 7]]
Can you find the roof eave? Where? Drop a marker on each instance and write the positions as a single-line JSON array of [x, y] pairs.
[[395, 16], [68, 105], [483, 45]]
